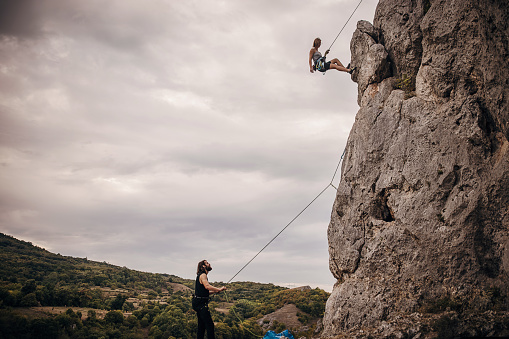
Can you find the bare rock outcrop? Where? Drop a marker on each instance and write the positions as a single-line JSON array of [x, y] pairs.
[[369, 57], [286, 315], [419, 232]]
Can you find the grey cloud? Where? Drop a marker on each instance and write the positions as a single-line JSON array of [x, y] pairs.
[[19, 18], [153, 135]]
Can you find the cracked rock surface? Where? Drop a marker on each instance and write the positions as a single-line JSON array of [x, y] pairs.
[[421, 212]]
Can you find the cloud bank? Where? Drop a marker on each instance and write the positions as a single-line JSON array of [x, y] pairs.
[[154, 135]]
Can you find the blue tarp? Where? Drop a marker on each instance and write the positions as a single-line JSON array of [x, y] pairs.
[[273, 335]]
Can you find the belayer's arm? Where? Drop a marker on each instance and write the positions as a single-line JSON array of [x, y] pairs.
[[205, 282]]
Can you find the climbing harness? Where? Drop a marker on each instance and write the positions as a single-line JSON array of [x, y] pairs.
[[320, 65], [197, 297], [199, 303]]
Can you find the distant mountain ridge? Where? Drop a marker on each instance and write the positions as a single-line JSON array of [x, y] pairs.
[[22, 260]]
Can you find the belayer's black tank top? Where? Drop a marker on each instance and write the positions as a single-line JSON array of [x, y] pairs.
[[199, 289]]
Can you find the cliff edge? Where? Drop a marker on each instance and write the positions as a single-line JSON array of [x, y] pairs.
[[418, 237]]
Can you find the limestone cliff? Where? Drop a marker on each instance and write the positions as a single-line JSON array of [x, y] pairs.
[[418, 238]]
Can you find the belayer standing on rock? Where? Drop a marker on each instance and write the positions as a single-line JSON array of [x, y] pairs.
[[317, 61], [201, 297]]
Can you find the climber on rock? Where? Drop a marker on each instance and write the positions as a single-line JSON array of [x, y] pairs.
[[317, 61]]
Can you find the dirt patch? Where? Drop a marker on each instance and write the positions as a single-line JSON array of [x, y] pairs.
[[46, 311], [222, 310], [178, 287], [224, 307], [286, 315]]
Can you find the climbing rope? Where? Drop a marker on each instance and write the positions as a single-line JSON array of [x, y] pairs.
[[295, 218], [238, 318], [337, 167], [277, 235], [305, 208], [264, 247], [345, 24]]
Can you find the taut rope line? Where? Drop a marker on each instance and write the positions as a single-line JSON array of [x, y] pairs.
[[264, 247], [345, 24], [302, 211], [312, 201]]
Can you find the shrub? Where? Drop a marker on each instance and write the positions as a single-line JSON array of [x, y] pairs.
[[114, 317], [407, 84]]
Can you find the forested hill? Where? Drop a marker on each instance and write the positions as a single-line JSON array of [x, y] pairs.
[[43, 294], [22, 261]]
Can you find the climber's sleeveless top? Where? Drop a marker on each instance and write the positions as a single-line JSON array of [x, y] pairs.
[[199, 289], [317, 55]]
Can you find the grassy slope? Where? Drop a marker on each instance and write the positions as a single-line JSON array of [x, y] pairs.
[[91, 284]]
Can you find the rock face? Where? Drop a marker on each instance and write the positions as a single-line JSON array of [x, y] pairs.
[[420, 224]]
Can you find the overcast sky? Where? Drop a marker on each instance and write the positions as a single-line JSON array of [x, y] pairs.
[[154, 134]]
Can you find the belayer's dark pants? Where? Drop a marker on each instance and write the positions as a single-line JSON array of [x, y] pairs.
[[204, 320]]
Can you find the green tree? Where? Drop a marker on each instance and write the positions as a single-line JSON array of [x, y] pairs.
[[132, 322], [145, 321], [172, 322], [44, 328], [29, 287], [91, 315], [114, 317], [222, 331], [69, 321], [29, 300], [127, 306], [6, 298], [118, 302], [244, 308]]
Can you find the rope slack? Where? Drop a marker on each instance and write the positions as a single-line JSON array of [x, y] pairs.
[[238, 318]]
